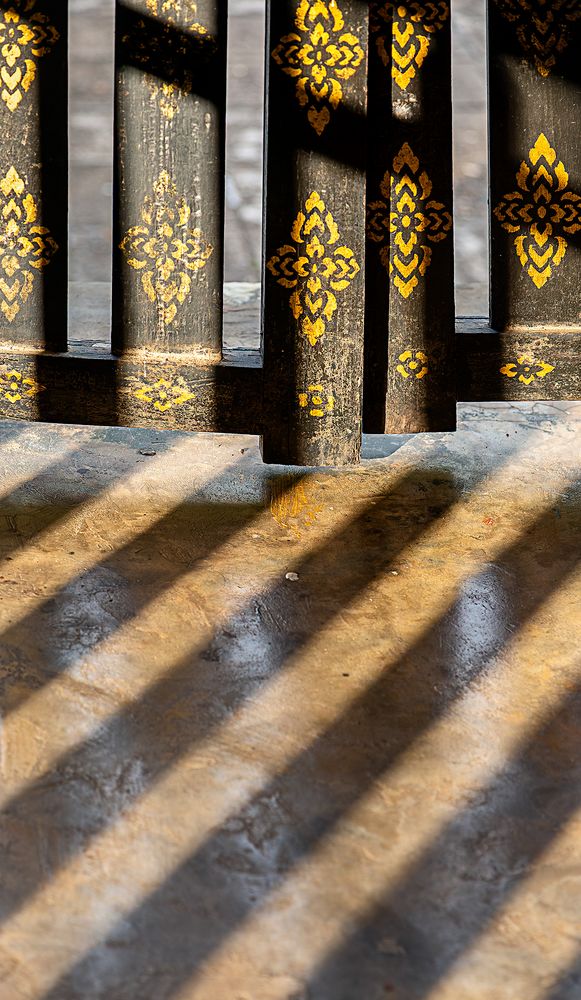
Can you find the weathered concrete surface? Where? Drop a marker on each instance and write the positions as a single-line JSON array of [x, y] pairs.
[[222, 783]]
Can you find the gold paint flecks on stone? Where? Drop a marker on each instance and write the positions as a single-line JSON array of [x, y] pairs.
[[403, 34], [319, 402], [412, 364], [165, 250], [526, 369], [165, 393], [26, 35], [16, 386], [320, 55], [544, 28], [292, 505], [407, 222], [314, 266], [542, 213], [25, 247]]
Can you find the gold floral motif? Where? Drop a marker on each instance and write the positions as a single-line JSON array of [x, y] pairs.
[[412, 364], [407, 222], [321, 403], [25, 36], [543, 28], [164, 394], [527, 369], [15, 386], [320, 55], [314, 266], [172, 77], [403, 33], [165, 249], [25, 247], [542, 213]]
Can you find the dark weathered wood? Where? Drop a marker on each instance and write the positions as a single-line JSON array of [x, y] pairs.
[[33, 172], [314, 231], [150, 390], [535, 163], [409, 317], [169, 183]]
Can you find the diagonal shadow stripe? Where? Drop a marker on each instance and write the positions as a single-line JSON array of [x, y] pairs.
[[471, 869], [353, 558], [568, 986], [238, 872]]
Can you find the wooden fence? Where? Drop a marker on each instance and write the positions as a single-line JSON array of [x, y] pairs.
[[358, 321]]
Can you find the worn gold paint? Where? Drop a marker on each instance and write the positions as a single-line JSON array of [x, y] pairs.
[[165, 393], [407, 221], [25, 247], [165, 249], [292, 505], [542, 213], [26, 35], [403, 34], [544, 29], [526, 369], [16, 386], [412, 364], [320, 55], [315, 265], [320, 402]]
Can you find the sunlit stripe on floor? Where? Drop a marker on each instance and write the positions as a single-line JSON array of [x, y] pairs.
[[133, 869]]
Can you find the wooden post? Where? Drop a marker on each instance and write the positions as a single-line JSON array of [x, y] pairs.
[[535, 165], [34, 174], [169, 184], [313, 297], [409, 321]]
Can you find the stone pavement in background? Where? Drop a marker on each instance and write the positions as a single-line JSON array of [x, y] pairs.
[[91, 145]]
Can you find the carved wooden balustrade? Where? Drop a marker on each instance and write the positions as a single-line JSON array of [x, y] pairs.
[[358, 323]]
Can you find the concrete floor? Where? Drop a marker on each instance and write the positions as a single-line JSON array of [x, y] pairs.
[[220, 782]]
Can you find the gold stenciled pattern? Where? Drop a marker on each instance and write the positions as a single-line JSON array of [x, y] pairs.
[[407, 222], [314, 267], [412, 364], [403, 34], [318, 401], [172, 77], [526, 369], [165, 393], [543, 28], [542, 213], [164, 249], [26, 35], [25, 247], [320, 55], [16, 386]]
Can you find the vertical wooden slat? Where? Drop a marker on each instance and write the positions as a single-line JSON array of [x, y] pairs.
[[535, 164], [33, 173], [313, 294], [168, 199], [409, 324]]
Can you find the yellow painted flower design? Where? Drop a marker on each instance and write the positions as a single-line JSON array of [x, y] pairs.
[[320, 55], [25, 36], [25, 247], [403, 34], [319, 402], [165, 393], [314, 266], [544, 28], [526, 369], [15, 386], [407, 222], [542, 213], [412, 364], [165, 249]]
